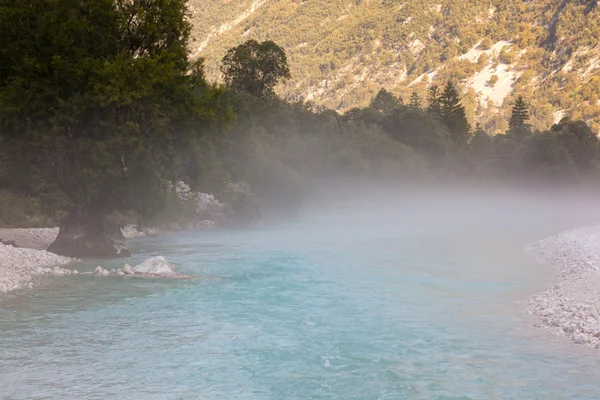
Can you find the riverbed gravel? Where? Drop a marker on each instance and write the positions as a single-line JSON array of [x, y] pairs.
[[571, 307]]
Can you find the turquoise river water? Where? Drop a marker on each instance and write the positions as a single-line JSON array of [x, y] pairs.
[[421, 299]]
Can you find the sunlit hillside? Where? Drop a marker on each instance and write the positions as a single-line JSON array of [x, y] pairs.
[[342, 52]]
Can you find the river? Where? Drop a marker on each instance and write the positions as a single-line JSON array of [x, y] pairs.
[[416, 298]]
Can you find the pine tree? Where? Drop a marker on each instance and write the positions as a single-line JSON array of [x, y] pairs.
[[453, 114], [519, 116], [434, 100], [415, 101]]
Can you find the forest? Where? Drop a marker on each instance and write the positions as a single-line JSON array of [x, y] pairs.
[[101, 106]]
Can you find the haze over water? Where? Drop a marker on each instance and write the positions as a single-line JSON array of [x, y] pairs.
[[393, 296]]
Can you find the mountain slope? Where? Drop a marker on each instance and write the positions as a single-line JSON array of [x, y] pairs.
[[342, 52]]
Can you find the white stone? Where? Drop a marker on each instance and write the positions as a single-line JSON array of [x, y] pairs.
[[155, 265], [127, 269]]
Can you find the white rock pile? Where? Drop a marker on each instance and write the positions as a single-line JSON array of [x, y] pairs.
[[155, 267], [19, 265], [208, 212], [571, 308], [207, 206]]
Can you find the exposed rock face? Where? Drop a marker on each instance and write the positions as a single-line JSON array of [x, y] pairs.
[[207, 206], [83, 237]]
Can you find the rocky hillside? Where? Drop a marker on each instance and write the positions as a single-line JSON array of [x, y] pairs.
[[342, 52]]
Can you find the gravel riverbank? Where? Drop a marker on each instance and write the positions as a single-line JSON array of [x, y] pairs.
[[30, 238], [570, 308], [19, 265]]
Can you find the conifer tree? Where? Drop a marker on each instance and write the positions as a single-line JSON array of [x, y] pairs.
[[520, 115], [415, 101], [453, 114], [434, 100]]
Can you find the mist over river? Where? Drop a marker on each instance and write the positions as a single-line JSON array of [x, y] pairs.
[[394, 296]]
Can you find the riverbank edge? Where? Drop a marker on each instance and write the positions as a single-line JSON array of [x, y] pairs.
[[26, 257], [570, 308]]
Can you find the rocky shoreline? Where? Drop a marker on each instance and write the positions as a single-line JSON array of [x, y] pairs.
[[26, 258], [18, 266], [570, 308], [23, 252]]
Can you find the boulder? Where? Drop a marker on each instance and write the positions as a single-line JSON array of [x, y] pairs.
[[158, 267], [82, 236], [154, 265], [127, 270]]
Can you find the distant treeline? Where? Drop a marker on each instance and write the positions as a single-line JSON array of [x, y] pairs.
[[100, 106]]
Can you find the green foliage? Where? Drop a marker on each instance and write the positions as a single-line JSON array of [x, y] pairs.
[[97, 98], [493, 80], [453, 114], [22, 212], [481, 143], [384, 101], [245, 203], [415, 101], [486, 43], [342, 53], [581, 143], [255, 68], [433, 95], [520, 115], [100, 106]]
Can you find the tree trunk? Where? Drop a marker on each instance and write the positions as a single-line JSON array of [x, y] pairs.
[[85, 235]]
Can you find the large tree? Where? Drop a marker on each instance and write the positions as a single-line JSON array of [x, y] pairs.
[[255, 68], [415, 101], [453, 114], [517, 125], [96, 99], [433, 96]]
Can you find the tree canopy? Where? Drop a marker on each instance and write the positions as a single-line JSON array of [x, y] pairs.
[[96, 100], [255, 68], [519, 115]]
